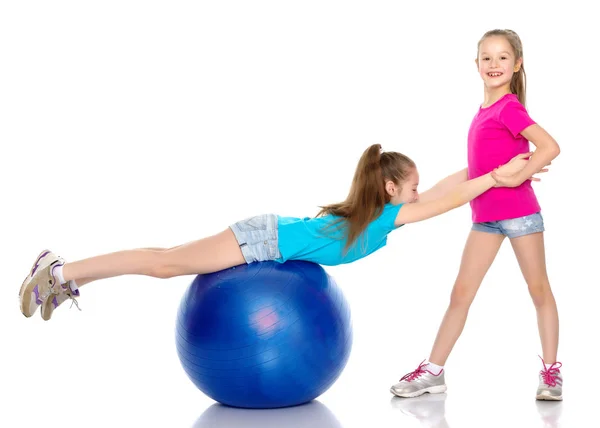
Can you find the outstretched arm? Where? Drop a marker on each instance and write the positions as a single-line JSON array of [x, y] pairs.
[[463, 193], [460, 195], [444, 186]]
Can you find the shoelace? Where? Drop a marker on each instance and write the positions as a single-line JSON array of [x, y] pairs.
[[74, 302], [550, 374], [70, 294], [49, 292], [414, 374]]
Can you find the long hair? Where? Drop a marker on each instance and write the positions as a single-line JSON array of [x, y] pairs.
[[367, 195], [518, 82]]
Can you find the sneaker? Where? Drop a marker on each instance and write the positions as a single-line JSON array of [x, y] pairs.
[[57, 299], [419, 382], [40, 283], [551, 382]]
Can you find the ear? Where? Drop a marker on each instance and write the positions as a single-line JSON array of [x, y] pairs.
[[518, 64], [477, 63], [390, 188]]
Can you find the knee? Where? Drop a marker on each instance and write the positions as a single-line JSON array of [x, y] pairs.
[[162, 266], [461, 297], [540, 293], [164, 272]]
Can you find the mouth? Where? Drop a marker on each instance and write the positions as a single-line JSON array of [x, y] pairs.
[[495, 74]]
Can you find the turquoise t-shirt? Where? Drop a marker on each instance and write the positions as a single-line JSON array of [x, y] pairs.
[[312, 240]]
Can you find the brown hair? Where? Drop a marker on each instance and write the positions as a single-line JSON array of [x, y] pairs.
[[367, 195], [518, 81]]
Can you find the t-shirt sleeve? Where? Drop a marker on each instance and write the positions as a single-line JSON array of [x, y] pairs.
[[515, 117], [389, 217]]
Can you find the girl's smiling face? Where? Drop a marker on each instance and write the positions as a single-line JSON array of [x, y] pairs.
[[496, 62]]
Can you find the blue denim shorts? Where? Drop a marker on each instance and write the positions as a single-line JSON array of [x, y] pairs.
[[514, 227], [258, 237]]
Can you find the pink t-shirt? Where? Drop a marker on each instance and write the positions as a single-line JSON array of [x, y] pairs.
[[494, 140]]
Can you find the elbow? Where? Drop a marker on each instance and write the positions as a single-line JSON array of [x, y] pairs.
[[553, 150]]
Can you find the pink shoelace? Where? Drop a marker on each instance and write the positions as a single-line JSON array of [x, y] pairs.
[[414, 374], [550, 374]]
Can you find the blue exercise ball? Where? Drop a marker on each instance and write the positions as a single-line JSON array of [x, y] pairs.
[[264, 335]]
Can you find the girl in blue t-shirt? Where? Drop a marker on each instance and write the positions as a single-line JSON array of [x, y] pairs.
[[383, 196]]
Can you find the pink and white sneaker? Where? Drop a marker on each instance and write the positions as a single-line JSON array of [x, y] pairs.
[[551, 381], [419, 382]]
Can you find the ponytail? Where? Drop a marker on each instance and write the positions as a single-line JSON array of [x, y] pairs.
[[367, 196]]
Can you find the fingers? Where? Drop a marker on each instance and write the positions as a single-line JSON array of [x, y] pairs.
[[538, 179], [523, 155]]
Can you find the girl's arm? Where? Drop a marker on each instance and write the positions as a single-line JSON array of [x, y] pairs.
[[546, 150], [444, 186], [463, 193], [460, 195]]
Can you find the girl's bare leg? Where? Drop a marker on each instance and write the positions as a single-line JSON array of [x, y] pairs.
[[206, 255], [83, 281], [479, 253], [530, 253]]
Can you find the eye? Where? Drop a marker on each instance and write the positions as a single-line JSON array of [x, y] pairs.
[[503, 57], [486, 58]]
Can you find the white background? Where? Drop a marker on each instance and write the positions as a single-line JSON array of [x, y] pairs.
[[129, 124]]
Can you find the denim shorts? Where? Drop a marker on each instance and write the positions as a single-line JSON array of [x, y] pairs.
[[514, 227], [258, 237]]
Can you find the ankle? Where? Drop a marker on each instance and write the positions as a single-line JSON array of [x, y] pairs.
[[550, 363], [73, 286], [57, 273], [433, 368], [67, 272]]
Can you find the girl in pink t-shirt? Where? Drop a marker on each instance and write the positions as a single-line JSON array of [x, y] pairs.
[[501, 129]]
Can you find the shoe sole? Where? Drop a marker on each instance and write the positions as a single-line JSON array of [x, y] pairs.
[[432, 390], [548, 398], [39, 264]]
